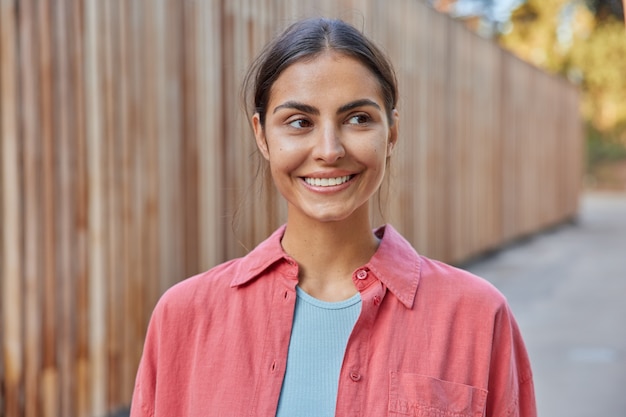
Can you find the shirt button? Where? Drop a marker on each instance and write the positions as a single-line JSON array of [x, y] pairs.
[[355, 376], [362, 274], [376, 300]]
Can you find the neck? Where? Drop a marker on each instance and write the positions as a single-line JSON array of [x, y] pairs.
[[328, 253]]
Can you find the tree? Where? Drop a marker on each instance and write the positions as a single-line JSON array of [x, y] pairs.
[[542, 31], [601, 59], [584, 41], [606, 9]]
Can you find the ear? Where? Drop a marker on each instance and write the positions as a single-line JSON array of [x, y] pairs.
[[259, 136], [393, 132]]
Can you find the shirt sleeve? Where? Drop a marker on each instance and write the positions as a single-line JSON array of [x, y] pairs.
[[144, 394], [511, 389]]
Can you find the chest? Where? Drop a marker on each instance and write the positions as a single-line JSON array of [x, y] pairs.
[[396, 362]]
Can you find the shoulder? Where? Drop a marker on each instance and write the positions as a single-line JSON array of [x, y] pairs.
[[198, 292], [455, 284], [218, 287], [411, 275]]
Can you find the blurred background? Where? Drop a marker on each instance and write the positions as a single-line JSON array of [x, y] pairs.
[[127, 163], [581, 41]]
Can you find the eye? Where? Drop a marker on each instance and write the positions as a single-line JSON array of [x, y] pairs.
[[359, 119], [300, 123]]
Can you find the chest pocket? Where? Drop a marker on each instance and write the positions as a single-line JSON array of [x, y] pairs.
[[423, 396]]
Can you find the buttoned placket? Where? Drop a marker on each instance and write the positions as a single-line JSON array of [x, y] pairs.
[[353, 378], [276, 343]]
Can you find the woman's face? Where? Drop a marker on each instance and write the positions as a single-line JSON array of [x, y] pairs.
[[326, 137]]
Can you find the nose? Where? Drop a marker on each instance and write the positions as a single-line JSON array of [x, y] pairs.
[[329, 147]]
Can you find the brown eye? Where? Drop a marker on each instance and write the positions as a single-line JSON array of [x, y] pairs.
[[359, 119], [300, 124]]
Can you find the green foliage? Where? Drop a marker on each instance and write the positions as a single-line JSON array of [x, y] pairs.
[[601, 58], [603, 148], [586, 42], [534, 34]]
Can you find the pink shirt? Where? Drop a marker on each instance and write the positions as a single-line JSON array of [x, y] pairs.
[[431, 340]]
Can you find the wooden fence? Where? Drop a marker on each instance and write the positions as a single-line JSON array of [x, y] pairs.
[[124, 154]]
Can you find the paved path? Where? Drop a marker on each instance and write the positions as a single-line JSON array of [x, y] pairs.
[[567, 289]]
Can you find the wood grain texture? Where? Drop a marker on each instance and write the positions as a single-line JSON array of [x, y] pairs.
[[126, 160], [12, 296]]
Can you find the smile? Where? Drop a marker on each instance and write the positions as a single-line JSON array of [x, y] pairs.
[[327, 182]]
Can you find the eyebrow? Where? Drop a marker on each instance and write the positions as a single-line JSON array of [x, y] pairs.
[[305, 108], [357, 103]]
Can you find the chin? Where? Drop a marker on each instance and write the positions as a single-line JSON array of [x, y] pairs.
[[329, 213], [330, 217]]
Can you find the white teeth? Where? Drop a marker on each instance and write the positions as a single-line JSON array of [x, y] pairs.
[[326, 182]]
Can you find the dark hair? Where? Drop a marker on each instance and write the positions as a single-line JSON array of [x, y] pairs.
[[306, 39]]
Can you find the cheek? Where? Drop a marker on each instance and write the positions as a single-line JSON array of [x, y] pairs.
[[373, 154], [284, 160]]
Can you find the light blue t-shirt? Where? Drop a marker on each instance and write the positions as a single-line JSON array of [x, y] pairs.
[[318, 342]]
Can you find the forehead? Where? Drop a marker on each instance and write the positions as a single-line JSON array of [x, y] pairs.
[[325, 79]]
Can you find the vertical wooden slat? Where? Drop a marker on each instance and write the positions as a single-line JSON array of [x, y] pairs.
[[413, 77], [230, 153], [97, 271], [65, 209], [127, 249], [211, 135], [136, 297], [437, 130], [456, 163], [510, 125], [149, 159], [50, 376], [171, 145], [111, 173], [11, 197], [32, 208], [163, 125], [485, 111], [496, 131], [188, 45], [80, 251]]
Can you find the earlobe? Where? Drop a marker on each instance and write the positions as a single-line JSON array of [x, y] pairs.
[[393, 132], [259, 136]]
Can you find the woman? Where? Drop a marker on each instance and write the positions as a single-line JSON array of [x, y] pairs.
[[327, 317]]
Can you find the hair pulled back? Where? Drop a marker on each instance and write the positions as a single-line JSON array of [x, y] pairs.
[[305, 40]]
